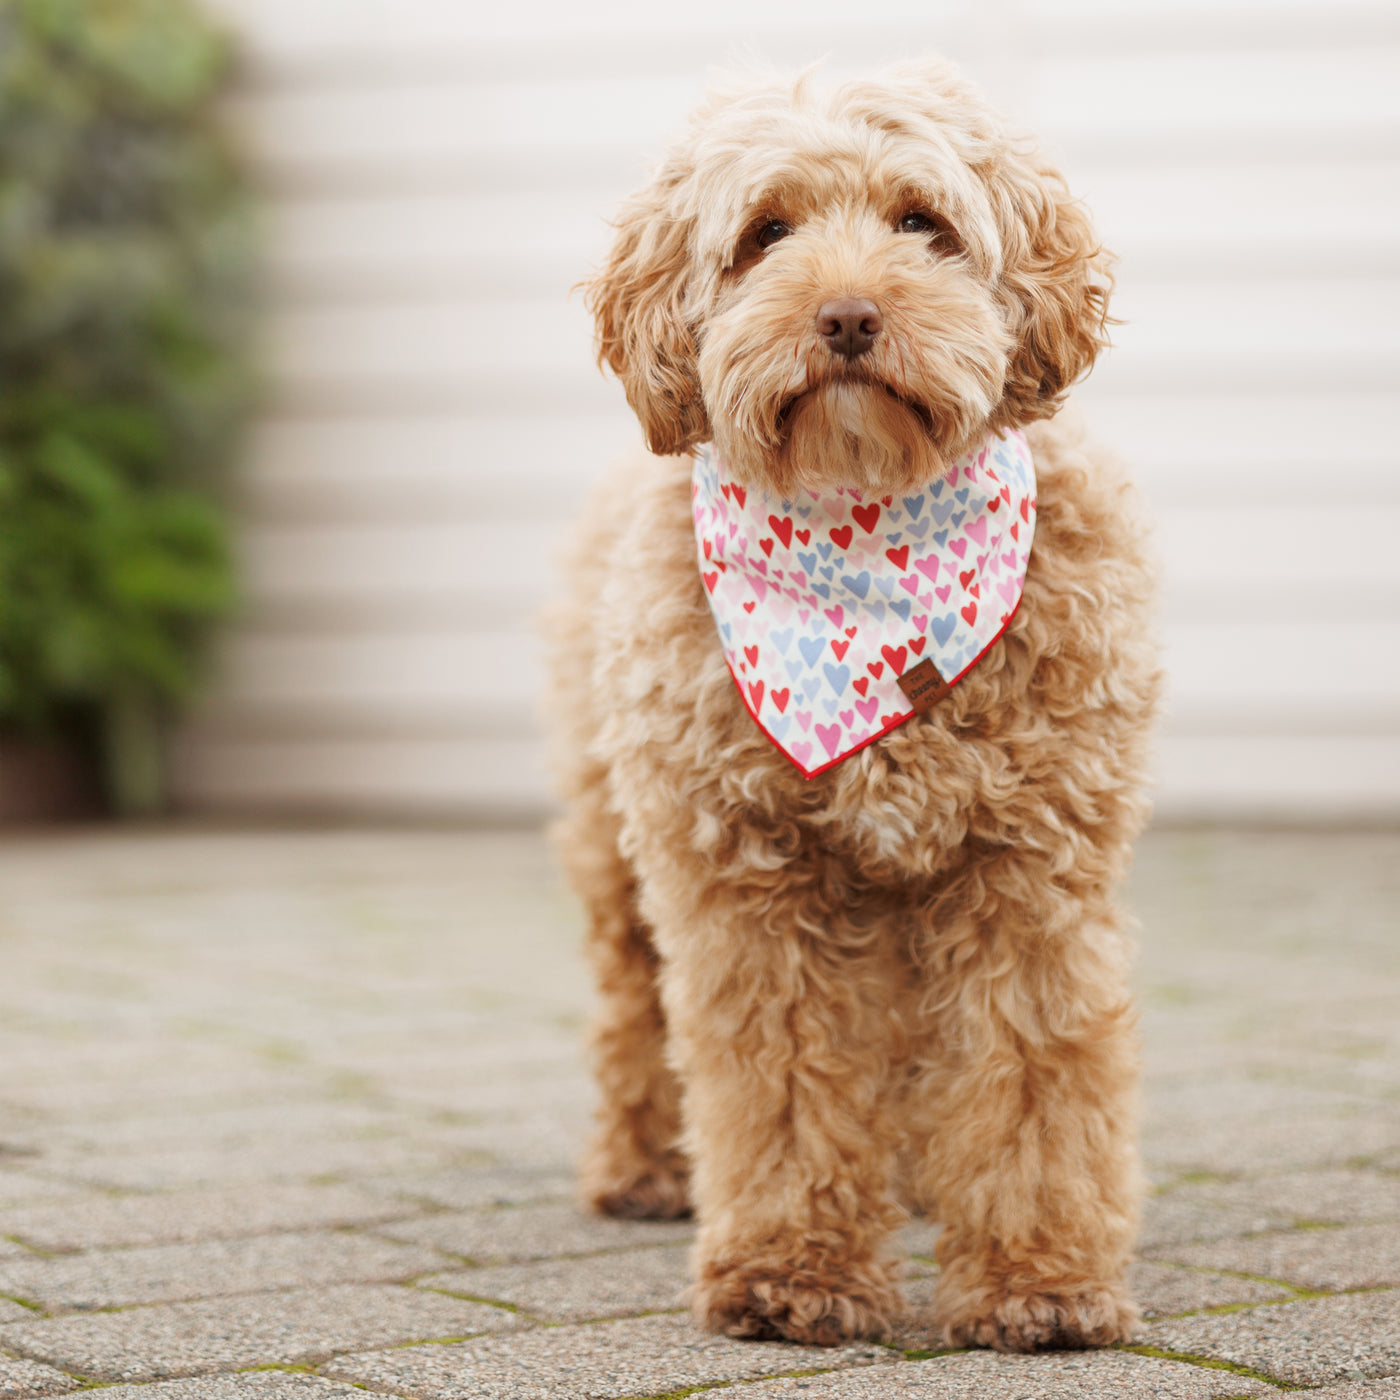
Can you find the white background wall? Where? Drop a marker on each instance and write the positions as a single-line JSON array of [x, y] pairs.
[[438, 174]]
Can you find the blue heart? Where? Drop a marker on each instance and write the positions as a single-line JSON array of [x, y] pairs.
[[860, 584], [808, 562], [825, 550], [778, 727], [920, 530], [959, 518], [793, 667], [942, 627], [782, 640], [901, 606], [804, 511], [943, 511], [940, 538], [823, 590], [828, 572], [831, 706], [895, 538], [724, 627], [810, 686], [876, 610], [894, 515], [811, 648], [962, 495], [885, 585], [837, 676], [914, 504]]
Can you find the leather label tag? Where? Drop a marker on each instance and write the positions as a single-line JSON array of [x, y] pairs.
[[923, 686]]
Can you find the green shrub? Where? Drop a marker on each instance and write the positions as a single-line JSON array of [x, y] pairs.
[[125, 287]]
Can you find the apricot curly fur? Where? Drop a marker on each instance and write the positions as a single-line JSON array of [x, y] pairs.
[[907, 977]]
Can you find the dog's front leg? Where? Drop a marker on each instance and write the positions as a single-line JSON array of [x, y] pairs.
[[1029, 1091], [783, 1037]]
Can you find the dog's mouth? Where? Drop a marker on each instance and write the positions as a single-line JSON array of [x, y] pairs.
[[921, 411]]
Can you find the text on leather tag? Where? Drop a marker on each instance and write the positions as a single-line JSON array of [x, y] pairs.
[[923, 685]]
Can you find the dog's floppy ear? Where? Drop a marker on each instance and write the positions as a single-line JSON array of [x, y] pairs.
[[1054, 287], [637, 299]]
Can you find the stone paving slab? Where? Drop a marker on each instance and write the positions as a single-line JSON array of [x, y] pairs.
[[1387, 1389], [101, 1221], [225, 1334], [199, 1165], [10, 1311], [1163, 1291], [532, 1232], [211, 1268], [250, 1385], [602, 1361], [1218, 1209], [623, 1284], [1354, 1336], [1360, 1256], [21, 1379], [473, 1188], [20, 1186], [1110, 1375]]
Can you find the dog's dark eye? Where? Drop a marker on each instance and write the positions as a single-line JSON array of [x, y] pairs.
[[914, 222], [771, 232]]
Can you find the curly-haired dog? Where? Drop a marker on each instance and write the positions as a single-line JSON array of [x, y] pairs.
[[903, 977]]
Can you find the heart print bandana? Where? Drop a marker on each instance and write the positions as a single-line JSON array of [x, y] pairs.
[[825, 602]]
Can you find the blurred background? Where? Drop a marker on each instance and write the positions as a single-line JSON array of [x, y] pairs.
[[417, 185]]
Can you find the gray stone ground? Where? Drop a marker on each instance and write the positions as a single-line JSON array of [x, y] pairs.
[[292, 1115]]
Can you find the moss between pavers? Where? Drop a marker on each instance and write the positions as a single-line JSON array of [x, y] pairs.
[[1208, 1362]]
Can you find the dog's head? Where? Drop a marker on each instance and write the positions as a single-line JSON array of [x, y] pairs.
[[848, 290]]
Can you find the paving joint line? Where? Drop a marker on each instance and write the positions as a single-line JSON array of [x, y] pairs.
[[1205, 1362]]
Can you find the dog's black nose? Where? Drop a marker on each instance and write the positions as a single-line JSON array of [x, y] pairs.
[[849, 326]]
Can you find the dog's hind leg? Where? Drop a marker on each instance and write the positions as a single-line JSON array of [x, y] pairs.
[[1028, 1090], [633, 1166]]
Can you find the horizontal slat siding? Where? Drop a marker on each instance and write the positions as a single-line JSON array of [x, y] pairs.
[[439, 176]]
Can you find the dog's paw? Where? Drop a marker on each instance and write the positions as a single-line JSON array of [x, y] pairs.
[[656, 1191], [801, 1306], [1088, 1317]]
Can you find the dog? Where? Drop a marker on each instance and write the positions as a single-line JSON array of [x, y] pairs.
[[861, 954]]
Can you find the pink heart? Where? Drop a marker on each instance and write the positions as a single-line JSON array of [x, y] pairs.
[[802, 753], [944, 592], [867, 708], [830, 735]]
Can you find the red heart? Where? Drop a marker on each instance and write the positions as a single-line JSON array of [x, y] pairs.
[[970, 613], [711, 580], [840, 648], [749, 607], [888, 500], [724, 491], [866, 516], [1025, 513], [898, 557], [752, 654], [804, 535], [781, 528], [889, 721], [850, 631], [842, 535], [740, 495], [767, 547], [779, 698], [975, 590], [1015, 530], [1005, 494], [917, 645], [994, 503], [756, 694], [876, 668], [896, 657], [966, 575], [860, 686], [706, 545]]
